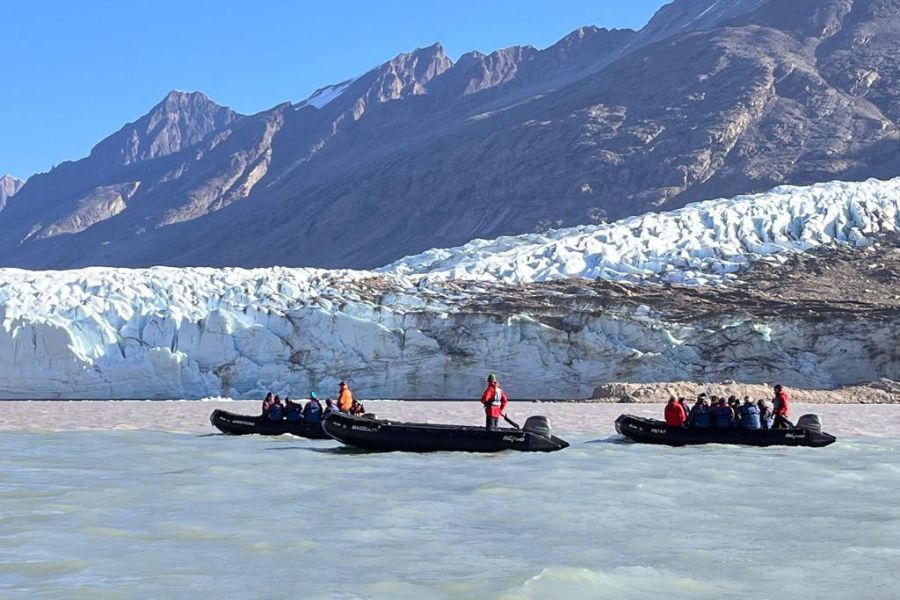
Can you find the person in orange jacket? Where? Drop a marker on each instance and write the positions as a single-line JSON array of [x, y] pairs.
[[494, 400], [675, 416], [781, 406], [345, 398]]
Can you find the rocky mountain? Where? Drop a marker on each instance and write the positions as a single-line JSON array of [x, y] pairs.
[[711, 98], [9, 185]]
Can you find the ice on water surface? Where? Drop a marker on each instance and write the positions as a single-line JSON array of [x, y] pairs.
[[161, 514]]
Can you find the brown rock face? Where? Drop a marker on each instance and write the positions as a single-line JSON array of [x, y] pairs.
[[709, 99]]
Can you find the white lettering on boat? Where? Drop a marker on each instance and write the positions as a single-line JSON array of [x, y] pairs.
[[364, 428], [239, 422], [795, 436]]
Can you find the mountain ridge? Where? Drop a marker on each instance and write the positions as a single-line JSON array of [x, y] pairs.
[[707, 100]]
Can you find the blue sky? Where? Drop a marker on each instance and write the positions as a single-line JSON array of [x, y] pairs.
[[74, 72]]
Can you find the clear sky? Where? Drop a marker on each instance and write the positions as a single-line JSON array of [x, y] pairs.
[[74, 72]]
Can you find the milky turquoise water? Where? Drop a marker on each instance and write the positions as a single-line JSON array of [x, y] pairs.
[[156, 514]]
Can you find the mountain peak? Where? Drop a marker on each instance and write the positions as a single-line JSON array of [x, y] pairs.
[[681, 16], [407, 74], [179, 121], [9, 185]]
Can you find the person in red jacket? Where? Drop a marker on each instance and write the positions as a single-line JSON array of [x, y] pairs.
[[781, 406], [674, 413], [494, 400]]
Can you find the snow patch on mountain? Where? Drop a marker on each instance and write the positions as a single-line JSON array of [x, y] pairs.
[[700, 244], [322, 96]]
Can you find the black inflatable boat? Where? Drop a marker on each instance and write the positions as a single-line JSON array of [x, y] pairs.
[[807, 432], [233, 424], [376, 435]]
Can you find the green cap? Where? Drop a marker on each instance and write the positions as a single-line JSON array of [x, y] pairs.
[[492, 377]]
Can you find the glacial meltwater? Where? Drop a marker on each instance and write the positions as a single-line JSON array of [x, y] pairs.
[[144, 500]]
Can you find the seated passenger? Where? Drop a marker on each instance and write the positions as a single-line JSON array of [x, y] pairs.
[[267, 404], [765, 414], [699, 415], [356, 408], [687, 409], [292, 410], [749, 415], [312, 412], [674, 413], [276, 410], [721, 415], [735, 405], [331, 407]]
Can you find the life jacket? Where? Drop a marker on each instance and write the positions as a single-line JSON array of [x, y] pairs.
[[492, 399], [749, 417], [345, 400], [275, 412], [781, 405], [722, 416], [699, 416]]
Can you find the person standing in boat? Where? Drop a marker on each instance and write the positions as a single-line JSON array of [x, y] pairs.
[[781, 406], [494, 400], [345, 398]]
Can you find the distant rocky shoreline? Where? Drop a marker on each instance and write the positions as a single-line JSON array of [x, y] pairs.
[[884, 391]]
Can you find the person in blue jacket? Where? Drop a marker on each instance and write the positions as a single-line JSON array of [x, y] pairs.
[[721, 415], [292, 410], [276, 411], [699, 415], [312, 412], [749, 415]]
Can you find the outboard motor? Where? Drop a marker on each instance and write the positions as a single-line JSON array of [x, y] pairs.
[[810, 423], [538, 426]]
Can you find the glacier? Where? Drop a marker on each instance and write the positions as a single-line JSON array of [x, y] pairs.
[[704, 243], [433, 324]]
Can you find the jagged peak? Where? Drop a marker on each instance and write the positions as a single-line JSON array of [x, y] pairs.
[[178, 121], [433, 55], [178, 99], [10, 179], [9, 186]]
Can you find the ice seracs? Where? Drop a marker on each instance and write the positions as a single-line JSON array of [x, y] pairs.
[[702, 243], [430, 325]]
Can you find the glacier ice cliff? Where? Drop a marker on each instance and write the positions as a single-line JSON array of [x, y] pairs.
[[526, 307]]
